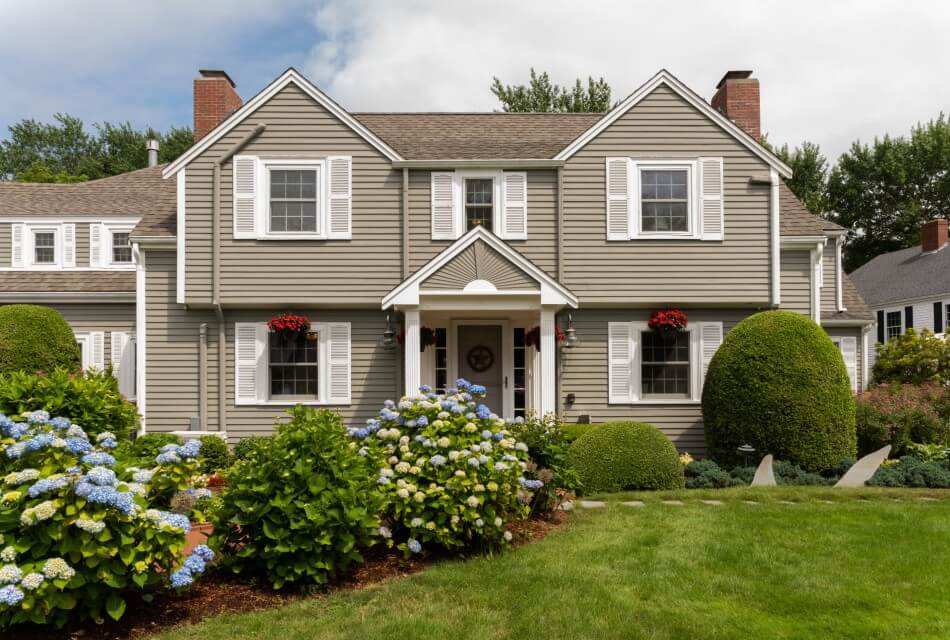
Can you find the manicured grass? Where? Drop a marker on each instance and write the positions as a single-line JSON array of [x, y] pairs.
[[874, 564]]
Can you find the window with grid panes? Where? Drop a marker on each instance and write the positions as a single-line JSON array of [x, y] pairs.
[[665, 365], [292, 363]]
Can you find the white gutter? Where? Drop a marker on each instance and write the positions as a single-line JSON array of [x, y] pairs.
[[774, 240]]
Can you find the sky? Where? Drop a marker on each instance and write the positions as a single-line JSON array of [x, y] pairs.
[[831, 71]]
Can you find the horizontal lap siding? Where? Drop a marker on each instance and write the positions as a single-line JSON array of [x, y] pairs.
[[82, 244], [277, 273], [540, 247], [584, 373], [796, 281], [98, 317], [6, 244], [735, 271]]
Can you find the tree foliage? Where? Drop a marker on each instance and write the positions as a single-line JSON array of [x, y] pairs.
[[810, 176], [914, 358], [543, 96], [65, 151]]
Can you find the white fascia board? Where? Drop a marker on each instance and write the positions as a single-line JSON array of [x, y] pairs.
[[288, 77], [104, 218], [664, 77]]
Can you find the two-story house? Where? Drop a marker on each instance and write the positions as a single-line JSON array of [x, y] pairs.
[[522, 251]]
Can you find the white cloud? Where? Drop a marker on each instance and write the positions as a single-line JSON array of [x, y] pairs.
[[830, 72]]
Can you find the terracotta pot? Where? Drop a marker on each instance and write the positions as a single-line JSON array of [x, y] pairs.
[[200, 531]]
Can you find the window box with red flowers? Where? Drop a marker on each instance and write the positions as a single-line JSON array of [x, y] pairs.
[[290, 325], [667, 322]]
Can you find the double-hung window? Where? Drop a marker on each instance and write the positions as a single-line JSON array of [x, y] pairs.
[[44, 246], [664, 200], [893, 324], [121, 247], [665, 365], [293, 366], [293, 205], [463, 200], [479, 203]]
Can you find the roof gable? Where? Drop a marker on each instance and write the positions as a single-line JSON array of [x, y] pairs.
[[665, 78], [291, 76], [476, 267]]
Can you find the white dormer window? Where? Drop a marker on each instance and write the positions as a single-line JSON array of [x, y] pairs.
[[44, 247], [495, 200], [479, 203], [121, 247]]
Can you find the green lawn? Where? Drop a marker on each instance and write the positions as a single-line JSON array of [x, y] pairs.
[[874, 564]]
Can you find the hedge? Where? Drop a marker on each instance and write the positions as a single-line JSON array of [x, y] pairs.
[[34, 338]]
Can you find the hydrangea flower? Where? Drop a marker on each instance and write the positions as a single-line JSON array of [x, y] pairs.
[[19, 477], [61, 424], [415, 523], [10, 574], [37, 417], [384, 532], [78, 445], [190, 449], [437, 460], [98, 459], [10, 596], [202, 493], [16, 450], [181, 579], [194, 564], [479, 523], [168, 457], [204, 552], [32, 581], [8, 554], [43, 511], [56, 568], [47, 485], [101, 476], [92, 526], [508, 536], [144, 476], [414, 545]]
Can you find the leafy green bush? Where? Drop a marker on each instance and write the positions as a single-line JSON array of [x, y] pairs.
[[778, 383], [914, 358], [35, 338], [215, 455], [91, 399], [927, 452], [302, 505], [245, 446], [706, 474], [142, 451], [574, 430], [547, 448], [450, 470], [78, 536], [626, 455], [911, 472], [902, 414]]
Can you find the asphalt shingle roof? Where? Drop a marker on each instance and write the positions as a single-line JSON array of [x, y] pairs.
[[904, 275], [67, 281], [796, 220], [855, 307]]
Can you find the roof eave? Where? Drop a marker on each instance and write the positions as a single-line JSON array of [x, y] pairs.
[[484, 163]]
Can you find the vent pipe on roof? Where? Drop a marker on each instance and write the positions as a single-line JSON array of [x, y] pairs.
[[152, 146]]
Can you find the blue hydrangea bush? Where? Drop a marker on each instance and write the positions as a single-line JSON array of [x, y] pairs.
[[450, 471], [78, 532]]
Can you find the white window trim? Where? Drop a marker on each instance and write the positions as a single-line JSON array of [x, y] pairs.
[[837, 340], [262, 204], [109, 230], [695, 369], [29, 241], [694, 230], [459, 204]]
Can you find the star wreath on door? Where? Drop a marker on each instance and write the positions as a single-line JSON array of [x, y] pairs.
[[480, 358]]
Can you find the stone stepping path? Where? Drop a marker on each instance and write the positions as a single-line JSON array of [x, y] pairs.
[[633, 503], [638, 504], [714, 503], [593, 504]]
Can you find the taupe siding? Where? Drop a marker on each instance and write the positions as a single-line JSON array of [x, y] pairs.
[[854, 332], [584, 373], [796, 281], [480, 262], [82, 244], [172, 360], [6, 246], [540, 247], [280, 273], [734, 271], [829, 292]]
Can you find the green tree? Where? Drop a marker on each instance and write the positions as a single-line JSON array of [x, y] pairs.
[[541, 95], [810, 174]]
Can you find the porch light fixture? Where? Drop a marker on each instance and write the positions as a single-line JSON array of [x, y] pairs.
[[388, 340], [746, 450], [570, 336]]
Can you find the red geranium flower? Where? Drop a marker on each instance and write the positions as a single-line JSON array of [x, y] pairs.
[[667, 319], [289, 323]]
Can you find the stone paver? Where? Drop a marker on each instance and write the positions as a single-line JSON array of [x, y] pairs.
[[633, 503], [592, 504], [750, 501], [787, 502], [714, 503], [567, 506], [927, 499], [674, 503]]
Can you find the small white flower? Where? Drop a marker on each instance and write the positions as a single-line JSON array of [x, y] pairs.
[[473, 502], [507, 536], [415, 523], [498, 522]]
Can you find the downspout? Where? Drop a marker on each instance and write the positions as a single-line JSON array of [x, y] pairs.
[[203, 376], [559, 270], [405, 223], [774, 239], [216, 273]]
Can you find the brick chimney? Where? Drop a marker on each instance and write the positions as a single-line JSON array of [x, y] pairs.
[[933, 235], [737, 98], [215, 100]]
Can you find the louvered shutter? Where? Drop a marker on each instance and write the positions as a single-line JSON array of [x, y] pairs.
[[620, 352], [711, 205], [849, 351], [880, 326], [250, 341], [97, 341], [340, 218], [122, 358], [938, 317], [69, 244], [514, 209], [710, 338], [244, 196], [443, 206], [117, 342], [338, 362], [908, 318], [95, 244], [17, 234], [618, 199]]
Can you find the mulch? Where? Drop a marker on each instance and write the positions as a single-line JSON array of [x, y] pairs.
[[219, 593]]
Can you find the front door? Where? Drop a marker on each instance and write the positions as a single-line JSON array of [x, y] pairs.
[[480, 361]]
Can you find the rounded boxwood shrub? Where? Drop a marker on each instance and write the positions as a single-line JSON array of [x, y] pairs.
[[778, 383], [215, 455], [35, 338], [626, 455]]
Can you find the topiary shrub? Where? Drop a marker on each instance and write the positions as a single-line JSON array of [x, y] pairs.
[[78, 536], [35, 338], [91, 399], [626, 455], [246, 446], [215, 455], [573, 431], [301, 507], [779, 383], [449, 470]]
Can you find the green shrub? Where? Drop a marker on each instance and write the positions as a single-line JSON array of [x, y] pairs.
[[574, 430], [778, 383], [34, 338], [78, 537], [911, 472], [626, 455], [547, 448], [90, 399], [450, 471], [706, 474], [301, 507], [215, 455], [914, 358], [141, 452], [245, 446], [902, 414], [927, 452]]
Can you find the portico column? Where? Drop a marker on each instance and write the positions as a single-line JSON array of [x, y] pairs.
[[548, 362], [411, 344]]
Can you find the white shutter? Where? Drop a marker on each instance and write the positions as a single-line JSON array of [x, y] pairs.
[[95, 244], [337, 335], [710, 338], [17, 234], [117, 342], [620, 357], [98, 348], [340, 218], [849, 351], [711, 205], [69, 244], [443, 206], [427, 367], [122, 357], [618, 199], [514, 205], [244, 196], [250, 342]]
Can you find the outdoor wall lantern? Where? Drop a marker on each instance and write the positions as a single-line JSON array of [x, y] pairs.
[[570, 336], [388, 340]]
